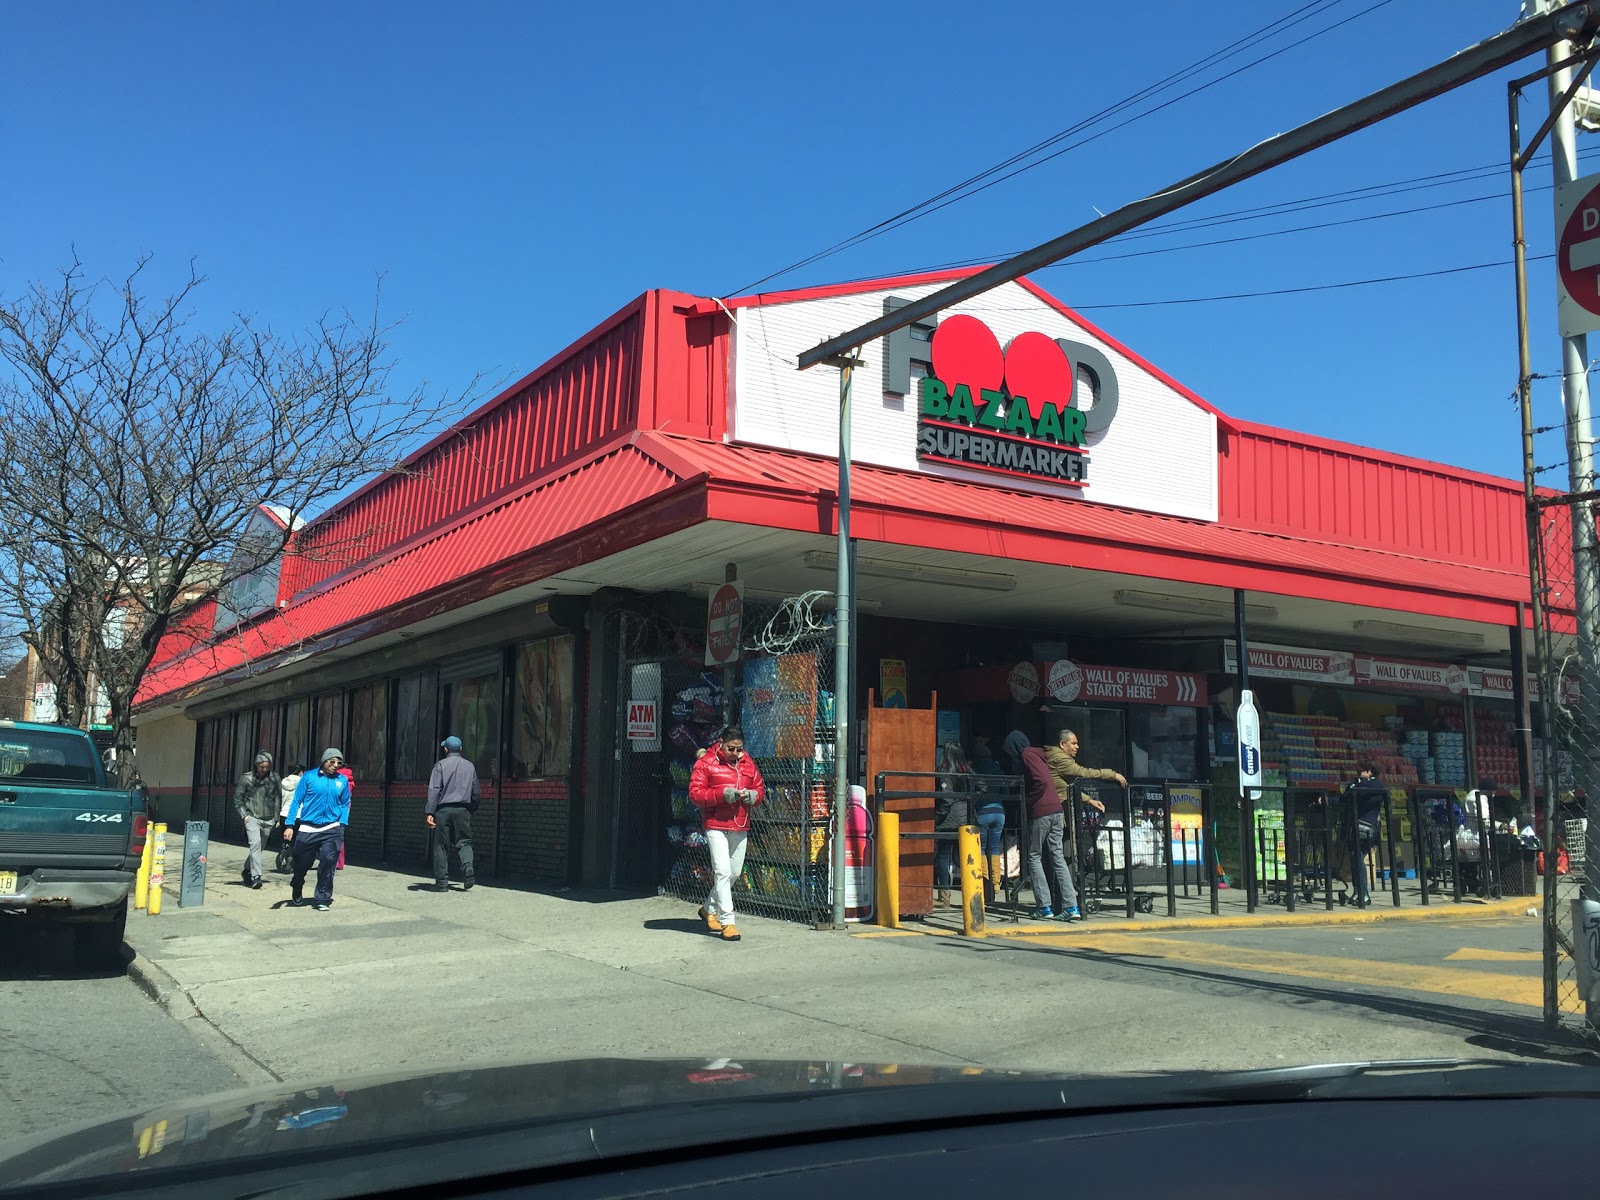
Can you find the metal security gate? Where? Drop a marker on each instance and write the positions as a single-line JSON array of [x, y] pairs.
[[780, 692], [1566, 760]]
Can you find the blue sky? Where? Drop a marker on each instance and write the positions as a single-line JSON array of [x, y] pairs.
[[519, 171]]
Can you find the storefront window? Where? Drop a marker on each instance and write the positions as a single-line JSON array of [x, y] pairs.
[[472, 713], [269, 734], [415, 744], [1162, 741], [365, 742], [541, 731], [1102, 734], [244, 739], [296, 731], [330, 723], [214, 752]]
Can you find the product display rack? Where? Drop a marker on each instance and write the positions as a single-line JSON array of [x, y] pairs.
[[786, 866]]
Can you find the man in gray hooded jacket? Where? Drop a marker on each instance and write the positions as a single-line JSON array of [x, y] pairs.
[[256, 799]]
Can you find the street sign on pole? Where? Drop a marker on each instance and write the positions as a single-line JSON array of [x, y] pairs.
[[1578, 255], [724, 624]]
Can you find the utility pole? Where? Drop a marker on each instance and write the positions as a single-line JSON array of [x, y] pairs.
[[843, 701], [1580, 480]]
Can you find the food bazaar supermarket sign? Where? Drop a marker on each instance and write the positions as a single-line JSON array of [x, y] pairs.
[[1067, 681], [1013, 410]]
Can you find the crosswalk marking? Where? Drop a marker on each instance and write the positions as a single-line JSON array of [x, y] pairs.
[[1479, 985], [1471, 954]]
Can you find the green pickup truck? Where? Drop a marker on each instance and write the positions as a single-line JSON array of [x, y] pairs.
[[69, 843]]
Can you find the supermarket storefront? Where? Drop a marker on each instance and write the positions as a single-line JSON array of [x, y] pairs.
[[1050, 531]]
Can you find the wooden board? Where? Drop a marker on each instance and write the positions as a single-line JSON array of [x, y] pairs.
[[905, 739]]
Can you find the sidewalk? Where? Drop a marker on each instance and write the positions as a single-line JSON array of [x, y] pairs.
[[396, 978]]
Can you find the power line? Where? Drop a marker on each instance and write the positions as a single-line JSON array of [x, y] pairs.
[[1316, 287], [1283, 208], [990, 178], [1120, 125]]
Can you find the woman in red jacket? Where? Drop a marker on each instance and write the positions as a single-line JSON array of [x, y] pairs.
[[724, 785]]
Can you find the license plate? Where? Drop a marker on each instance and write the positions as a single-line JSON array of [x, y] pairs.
[[8, 883]]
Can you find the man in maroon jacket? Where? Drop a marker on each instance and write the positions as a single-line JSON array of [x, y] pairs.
[[724, 785], [1046, 826]]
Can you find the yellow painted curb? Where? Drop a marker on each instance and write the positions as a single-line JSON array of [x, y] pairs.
[[1511, 906]]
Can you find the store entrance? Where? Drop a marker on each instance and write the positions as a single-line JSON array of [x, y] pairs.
[[1102, 733]]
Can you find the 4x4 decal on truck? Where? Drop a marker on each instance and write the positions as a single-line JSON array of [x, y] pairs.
[[91, 816]]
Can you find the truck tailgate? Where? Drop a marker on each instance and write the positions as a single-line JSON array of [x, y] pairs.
[[43, 822]]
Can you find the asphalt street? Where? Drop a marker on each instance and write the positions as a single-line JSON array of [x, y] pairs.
[[409, 980], [76, 1045]]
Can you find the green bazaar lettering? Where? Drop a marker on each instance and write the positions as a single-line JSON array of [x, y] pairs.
[[1062, 425]]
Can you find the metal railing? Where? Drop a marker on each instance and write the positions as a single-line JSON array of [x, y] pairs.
[[1124, 857], [973, 788]]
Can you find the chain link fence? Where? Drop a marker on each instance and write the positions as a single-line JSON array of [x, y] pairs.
[[1566, 756], [781, 692]]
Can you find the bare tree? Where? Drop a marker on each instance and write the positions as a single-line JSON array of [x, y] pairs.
[[136, 453], [14, 689]]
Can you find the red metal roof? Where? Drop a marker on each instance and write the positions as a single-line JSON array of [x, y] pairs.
[[478, 550], [987, 519], [510, 541]]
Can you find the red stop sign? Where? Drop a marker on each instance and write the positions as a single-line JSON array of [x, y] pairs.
[[1578, 253], [723, 622]]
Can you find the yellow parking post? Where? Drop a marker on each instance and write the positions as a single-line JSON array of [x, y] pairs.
[[968, 847], [888, 872], [158, 868], [141, 881]]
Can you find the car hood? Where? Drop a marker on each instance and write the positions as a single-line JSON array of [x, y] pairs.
[[375, 1133], [567, 1102]]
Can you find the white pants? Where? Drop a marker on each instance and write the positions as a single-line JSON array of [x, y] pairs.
[[727, 862], [256, 832]]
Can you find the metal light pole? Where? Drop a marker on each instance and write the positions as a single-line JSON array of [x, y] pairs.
[[1581, 482], [842, 700], [1521, 154]]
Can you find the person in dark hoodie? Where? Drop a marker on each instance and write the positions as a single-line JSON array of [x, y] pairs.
[[1046, 827], [256, 801]]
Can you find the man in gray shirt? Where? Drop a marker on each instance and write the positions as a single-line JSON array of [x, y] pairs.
[[453, 792]]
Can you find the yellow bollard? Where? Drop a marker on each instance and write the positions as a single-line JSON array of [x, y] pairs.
[[887, 900], [968, 847], [141, 881], [158, 868]]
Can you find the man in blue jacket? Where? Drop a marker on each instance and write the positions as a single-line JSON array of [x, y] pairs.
[[315, 826]]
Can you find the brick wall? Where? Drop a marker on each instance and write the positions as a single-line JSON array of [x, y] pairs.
[[486, 833], [363, 840], [216, 809], [407, 831], [534, 830]]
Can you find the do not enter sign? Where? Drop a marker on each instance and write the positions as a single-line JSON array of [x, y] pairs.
[[1578, 255], [724, 625]]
